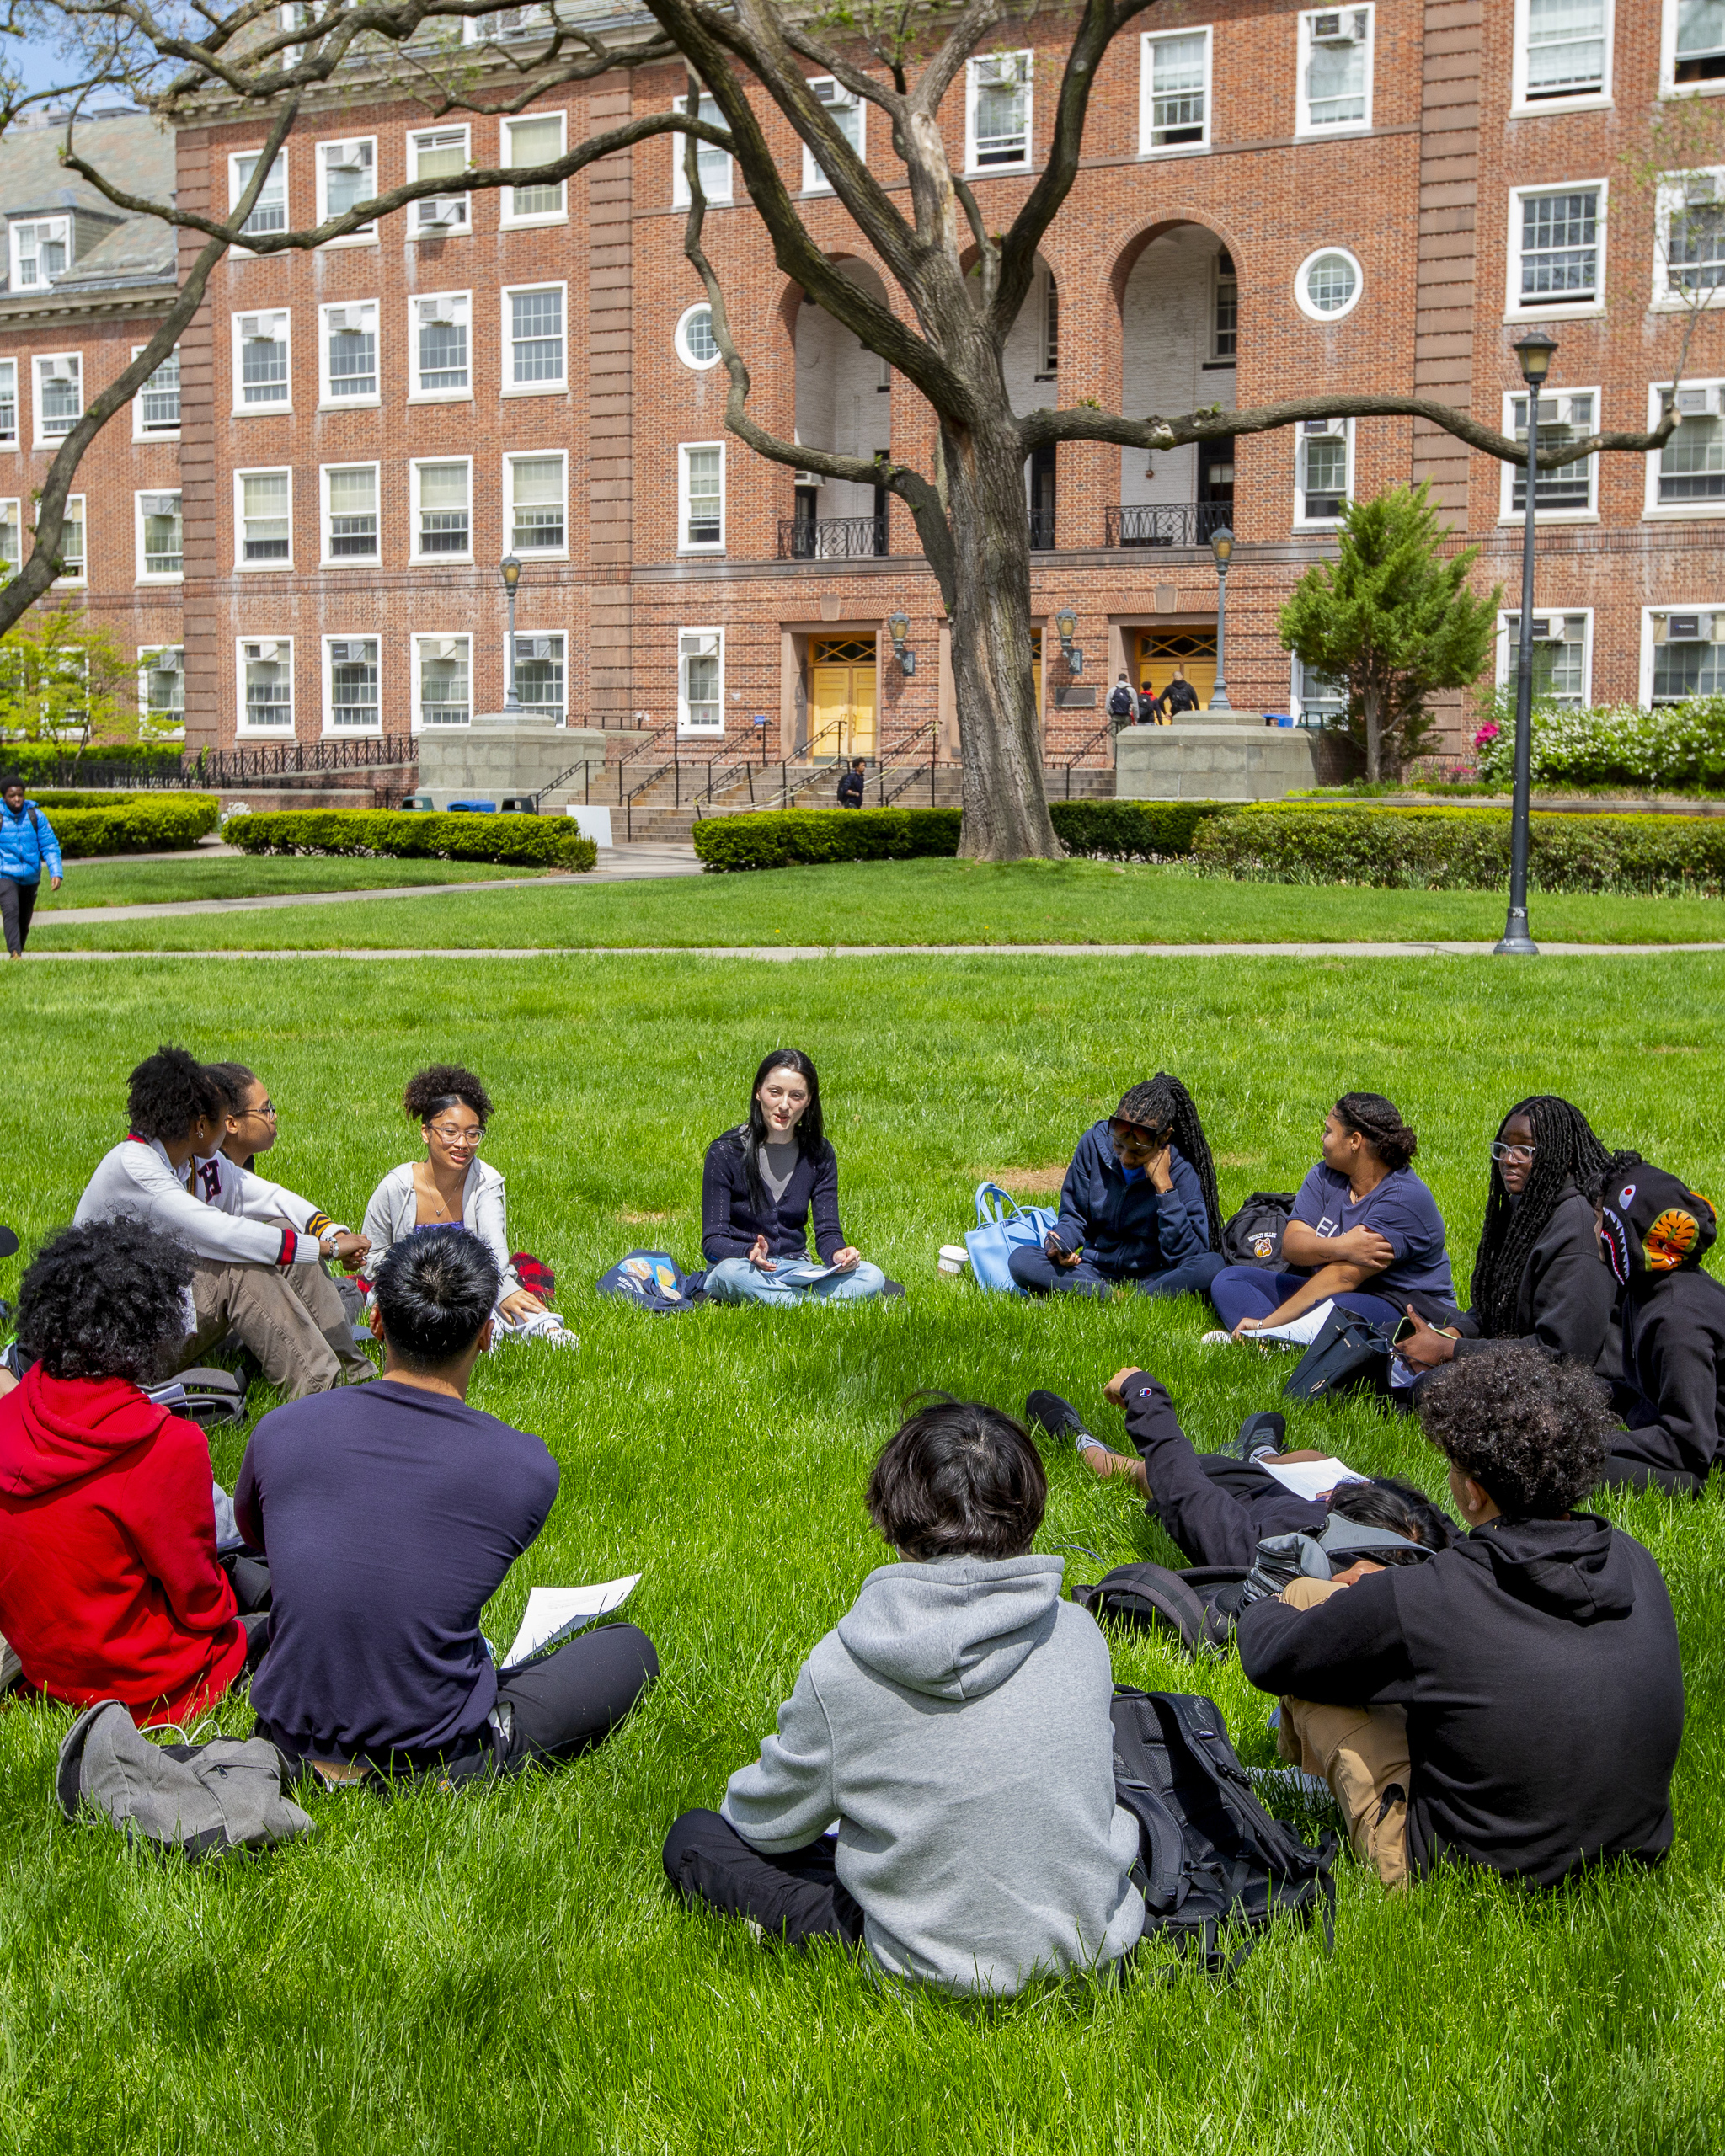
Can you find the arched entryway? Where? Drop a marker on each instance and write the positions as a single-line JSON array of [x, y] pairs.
[[1179, 327]]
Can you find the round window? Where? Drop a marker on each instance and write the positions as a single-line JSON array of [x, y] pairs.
[[697, 346], [1328, 285]]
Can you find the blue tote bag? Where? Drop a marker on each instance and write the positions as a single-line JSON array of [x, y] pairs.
[[998, 1233]]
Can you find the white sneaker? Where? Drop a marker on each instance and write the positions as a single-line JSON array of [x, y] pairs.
[[1216, 1340]]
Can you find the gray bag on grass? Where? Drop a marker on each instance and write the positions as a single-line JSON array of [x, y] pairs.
[[200, 1798]]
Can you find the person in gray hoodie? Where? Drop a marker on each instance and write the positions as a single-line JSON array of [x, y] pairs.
[[941, 1787]]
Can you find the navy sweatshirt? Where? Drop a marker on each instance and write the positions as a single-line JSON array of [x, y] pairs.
[[1566, 1302], [729, 1223], [1131, 1228]]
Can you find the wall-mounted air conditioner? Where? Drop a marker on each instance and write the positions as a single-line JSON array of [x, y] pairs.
[[263, 651], [1346, 26]]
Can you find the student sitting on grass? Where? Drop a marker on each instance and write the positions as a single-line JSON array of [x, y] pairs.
[[170, 1175], [1366, 1233], [1538, 1273], [759, 1185], [1536, 1661], [1655, 1231], [109, 1588], [390, 1515], [955, 1726], [1139, 1207]]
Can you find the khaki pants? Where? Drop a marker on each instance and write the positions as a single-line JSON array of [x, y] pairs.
[[257, 1302], [1361, 1752], [329, 1313]]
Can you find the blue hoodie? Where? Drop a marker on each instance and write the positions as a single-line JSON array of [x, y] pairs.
[[1123, 1223], [27, 845]]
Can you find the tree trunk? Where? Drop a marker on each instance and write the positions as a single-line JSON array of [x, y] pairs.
[[1005, 805], [1372, 704]]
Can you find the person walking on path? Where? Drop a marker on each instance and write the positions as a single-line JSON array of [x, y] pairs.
[[851, 784], [28, 846]]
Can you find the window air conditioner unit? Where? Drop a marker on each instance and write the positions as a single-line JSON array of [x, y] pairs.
[[440, 212], [340, 654], [532, 647], [1701, 187], [347, 157], [1688, 629], [807, 479], [1543, 628], [834, 95], [260, 328], [1345, 27], [437, 314], [160, 505], [1324, 426], [446, 648], [263, 651], [168, 662], [335, 318]]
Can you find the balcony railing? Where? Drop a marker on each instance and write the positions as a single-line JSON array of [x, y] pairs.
[[830, 538], [1042, 530], [1166, 524]]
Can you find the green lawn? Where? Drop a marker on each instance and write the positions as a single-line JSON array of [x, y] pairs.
[[503, 1970], [904, 902], [247, 876]]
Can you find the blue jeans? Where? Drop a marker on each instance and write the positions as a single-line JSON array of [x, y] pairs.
[[735, 1280], [1037, 1274], [1251, 1291]]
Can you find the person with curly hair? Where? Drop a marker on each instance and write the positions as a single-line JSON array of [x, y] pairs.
[[1536, 1661], [1366, 1234], [110, 1587], [452, 1186], [170, 1174], [1139, 1207]]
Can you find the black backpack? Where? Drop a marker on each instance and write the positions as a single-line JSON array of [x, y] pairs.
[[1254, 1235], [1123, 704], [1348, 1352], [1211, 1859], [1199, 1606]]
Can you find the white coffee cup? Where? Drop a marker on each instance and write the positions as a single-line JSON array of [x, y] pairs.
[[953, 1257]]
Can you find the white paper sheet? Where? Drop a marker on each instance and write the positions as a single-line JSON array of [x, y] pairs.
[[1299, 1331], [553, 1610], [1307, 1478]]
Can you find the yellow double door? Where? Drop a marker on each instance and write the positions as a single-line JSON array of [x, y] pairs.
[[842, 696], [1194, 651]]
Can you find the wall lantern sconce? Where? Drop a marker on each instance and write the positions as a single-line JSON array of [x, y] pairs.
[[1065, 628], [898, 627]]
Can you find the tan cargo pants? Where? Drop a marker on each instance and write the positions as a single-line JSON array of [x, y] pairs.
[[293, 1321], [1361, 1752]]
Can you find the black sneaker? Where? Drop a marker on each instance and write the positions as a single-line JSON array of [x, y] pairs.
[[1059, 1418], [1259, 1434]]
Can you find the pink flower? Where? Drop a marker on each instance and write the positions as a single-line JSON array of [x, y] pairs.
[[1485, 733]]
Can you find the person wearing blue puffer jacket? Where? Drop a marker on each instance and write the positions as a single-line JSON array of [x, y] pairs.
[[28, 846], [1139, 1207]]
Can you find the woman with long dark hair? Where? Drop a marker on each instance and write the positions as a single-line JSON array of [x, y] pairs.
[[1366, 1234], [761, 1181], [1139, 1207], [1538, 1273]]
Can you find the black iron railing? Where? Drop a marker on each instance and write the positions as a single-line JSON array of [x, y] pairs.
[[830, 538], [1166, 524], [1042, 530], [283, 759]]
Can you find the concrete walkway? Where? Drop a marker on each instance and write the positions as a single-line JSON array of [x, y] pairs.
[[776, 954]]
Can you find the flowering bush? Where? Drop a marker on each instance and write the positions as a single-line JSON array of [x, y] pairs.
[[1674, 746]]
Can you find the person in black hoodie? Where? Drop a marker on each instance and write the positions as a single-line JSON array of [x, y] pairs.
[[1537, 1661], [1654, 1231]]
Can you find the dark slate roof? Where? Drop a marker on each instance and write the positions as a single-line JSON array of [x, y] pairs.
[[132, 151]]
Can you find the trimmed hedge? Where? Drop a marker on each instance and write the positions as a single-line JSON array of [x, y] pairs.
[[415, 834], [145, 823], [1465, 850], [78, 798], [786, 838], [46, 762]]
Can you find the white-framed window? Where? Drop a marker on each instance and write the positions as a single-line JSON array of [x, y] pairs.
[[351, 680], [1562, 53], [263, 380], [701, 681], [76, 569], [695, 344], [161, 691], [155, 410], [712, 163], [535, 489], [506, 25], [1689, 252], [443, 509], [1682, 651], [539, 676], [1563, 655], [1173, 91], [265, 671], [347, 178], [347, 354], [270, 211], [1225, 313], [442, 681], [1000, 102], [161, 545], [1686, 478], [533, 325], [1557, 249], [1323, 471], [11, 539], [59, 394], [1327, 284], [535, 138], [1335, 71], [1692, 48], [263, 519], [41, 248], [8, 401], [438, 153], [847, 111], [1314, 698], [350, 519], [701, 498], [1562, 491], [441, 361]]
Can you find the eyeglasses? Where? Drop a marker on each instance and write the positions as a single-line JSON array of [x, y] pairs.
[[267, 1112], [452, 1135], [1133, 1138], [1522, 1154]]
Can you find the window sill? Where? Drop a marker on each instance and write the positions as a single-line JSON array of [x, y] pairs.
[[352, 239], [48, 445], [1173, 149], [1512, 520], [710, 553], [168, 434], [351, 562], [439, 396], [1318, 524], [350, 404], [438, 234], [440, 561], [539, 554], [78, 583], [1675, 90], [536, 389], [700, 733], [533, 224], [262, 568], [1558, 310], [156, 582], [1343, 133], [351, 733], [1682, 512], [1674, 303], [999, 172], [262, 412], [1584, 101]]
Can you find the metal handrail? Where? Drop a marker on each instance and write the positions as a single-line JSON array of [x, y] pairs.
[[1103, 733], [932, 730], [725, 776], [552, 786], [831, 538], [1164, 523]]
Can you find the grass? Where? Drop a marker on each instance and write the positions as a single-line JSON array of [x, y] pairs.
[[504, 1968], [247, 875], [911, 902]]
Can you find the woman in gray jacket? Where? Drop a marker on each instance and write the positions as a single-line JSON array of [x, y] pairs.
[[941, 1788]]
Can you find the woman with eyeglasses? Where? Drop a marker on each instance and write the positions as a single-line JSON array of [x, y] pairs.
[[452, 1185], [1538, 1273], [1139, 1207]]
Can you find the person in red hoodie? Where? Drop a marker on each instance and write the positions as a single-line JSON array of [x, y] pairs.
[[109, 1587]]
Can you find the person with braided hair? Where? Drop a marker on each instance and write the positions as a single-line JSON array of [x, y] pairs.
[[1139, 1207], [1538, 1273], [1366, 1234]]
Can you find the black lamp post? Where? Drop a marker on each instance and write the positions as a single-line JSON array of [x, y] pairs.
[[1221, 545], [510, 571], [1533, 348]]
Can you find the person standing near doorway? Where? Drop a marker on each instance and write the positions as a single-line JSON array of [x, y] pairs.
[[1179, 696], [1123, 704], [28, 846]]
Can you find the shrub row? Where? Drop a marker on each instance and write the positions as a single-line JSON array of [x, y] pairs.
[[1118, 830], [411, 834], [53, 800], [45, 762], [146, 823], [1464, 850], [1675, 745]]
